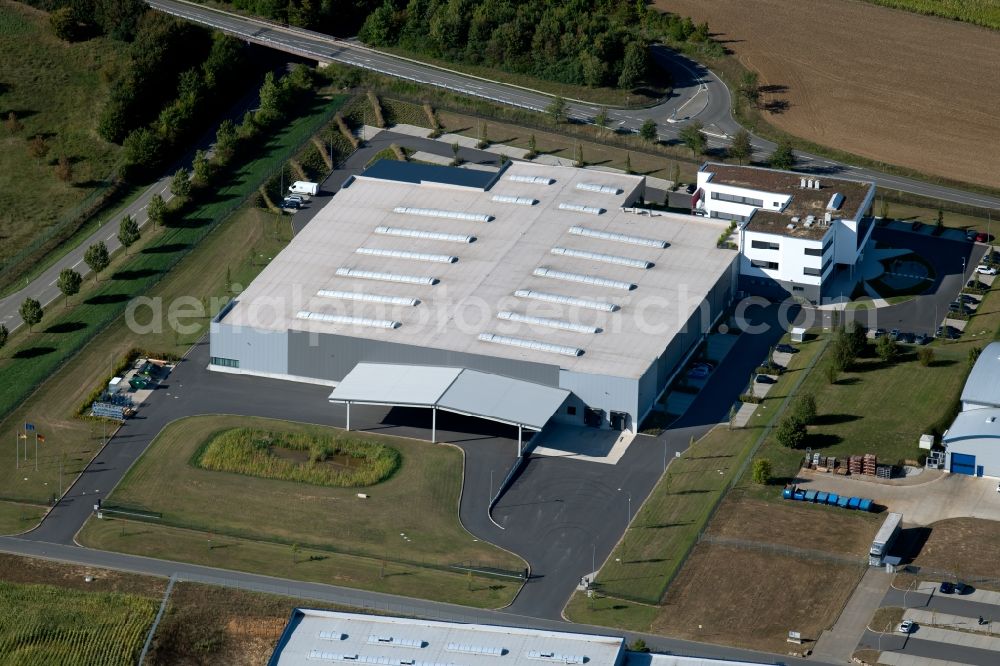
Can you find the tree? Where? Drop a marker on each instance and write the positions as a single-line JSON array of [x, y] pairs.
[[225, 140], [3, 335], [926, 356], [782, 157], [832, 372], [156, 210], [675, 176], [639, 645], [791, 432], [12, 124], [749, 87], [272, 100], [974, 353], [601, 119], [940, 219], [883, 209], [628, 163], [31, 312], [557, 110], [142, 149], [805, 408], [761, 472], [484, 140], [579, 156], [693, 137], [648, 130], [455, 147], [128, 232], [201, 169], [38, 147], [69, 283], [97, 257], [532, 148], [634, 65], [886, 348], [180, 184], [64, 24], [64, 169], [741, 148]]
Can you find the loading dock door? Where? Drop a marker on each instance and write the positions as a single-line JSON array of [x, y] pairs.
[[963, 463]]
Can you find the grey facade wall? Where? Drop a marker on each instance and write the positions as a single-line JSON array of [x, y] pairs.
[[256, 350], [331, 357], [612, 394], [986, 450]]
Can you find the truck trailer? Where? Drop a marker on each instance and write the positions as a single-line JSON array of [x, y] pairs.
[[884, 539]]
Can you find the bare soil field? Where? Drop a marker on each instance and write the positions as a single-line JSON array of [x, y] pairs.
[[767, 595], [828, 529], [962, 546], [910, 90]]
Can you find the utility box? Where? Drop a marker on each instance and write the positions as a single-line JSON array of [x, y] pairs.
[[926, 442], [798, 334]]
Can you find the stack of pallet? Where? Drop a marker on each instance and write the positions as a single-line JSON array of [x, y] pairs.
[[854, 465], [884, 471], [870, 464]]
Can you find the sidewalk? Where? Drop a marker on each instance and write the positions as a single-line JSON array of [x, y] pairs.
[[944, 621], [901, 659], [837, 645]]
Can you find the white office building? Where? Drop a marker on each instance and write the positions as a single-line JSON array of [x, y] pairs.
[[795, 233]]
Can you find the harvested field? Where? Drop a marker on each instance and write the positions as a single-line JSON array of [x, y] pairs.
[[961, 546], [897, 87], [766, 595], [796, 524]]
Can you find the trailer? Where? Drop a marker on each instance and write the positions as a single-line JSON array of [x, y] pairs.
[[884, 539]]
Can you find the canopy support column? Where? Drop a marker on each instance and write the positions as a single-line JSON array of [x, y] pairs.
[[348, 416], [434, 419], [519, 440]]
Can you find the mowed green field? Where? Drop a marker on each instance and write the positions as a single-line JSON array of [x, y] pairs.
[[54, 89], [16, 517], [42, 625], [420, 500]]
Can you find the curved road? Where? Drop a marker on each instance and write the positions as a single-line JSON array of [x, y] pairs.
[[698, 94]]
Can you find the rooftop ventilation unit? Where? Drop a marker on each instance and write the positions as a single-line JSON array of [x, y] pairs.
[[566, 300], [476, 649], [447, 214], [809, 222], [510, 198], [534, 180], [347, 319], [332, 635], [539, 655], [809, 183], [836, 201], [551, 323], [580, 208], [618, 238], [816, 184], [406, 254], [367, 298], [991, 419], [530, 344], [802, 183], [585, 279], [375, 639], [604, 258], [791, 227], [827, 218], [385, 277], [420, 233], [603, 189], [323, 655], [795, 219]]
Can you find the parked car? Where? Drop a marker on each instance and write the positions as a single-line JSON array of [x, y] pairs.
[[786, 349], [983, 269], [907, 338], [946, 587], [906, 627], [879, 332], [947, 333], [982, 238], [968, 298], [894, 334], [699, 371], [974, 284], [963, 588], [765, 379], [923, 339], [294, 197], [971, 234]]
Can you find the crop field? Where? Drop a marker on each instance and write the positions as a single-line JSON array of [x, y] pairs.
[[896, 87], [50, 626], [981, 12], [321, 459], [53, 89]]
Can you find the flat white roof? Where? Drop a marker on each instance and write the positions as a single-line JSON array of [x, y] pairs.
[[458, 390], [983, 384], [317, 637], [456, 303], [974, 424]]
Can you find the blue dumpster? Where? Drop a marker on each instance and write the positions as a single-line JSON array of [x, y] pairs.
[[810, 495], [821, 497], [832, 499], [865, 505], [842, 502], [853, 502]]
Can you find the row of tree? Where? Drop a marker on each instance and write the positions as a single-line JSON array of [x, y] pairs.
[[591, 43], [75, 20]]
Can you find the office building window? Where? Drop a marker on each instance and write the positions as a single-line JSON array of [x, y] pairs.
[[769, 265], [571, 410], [225, 362], [812, 272], [814, 251], [763, 245], [719, 215], [732, 198]]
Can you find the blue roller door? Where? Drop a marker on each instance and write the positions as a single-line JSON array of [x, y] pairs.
[[963, 463]]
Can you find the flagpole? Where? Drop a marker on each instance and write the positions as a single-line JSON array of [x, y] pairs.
[[36, 450], [17, 449]]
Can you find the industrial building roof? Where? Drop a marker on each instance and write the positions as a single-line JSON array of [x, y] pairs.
[[544, 266], [805, 201], [410, 172], [457, 390], [983, 385], [317, 636], [974, 424]]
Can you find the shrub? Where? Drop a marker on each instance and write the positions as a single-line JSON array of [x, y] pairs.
[[750, 399], [926, 356], [791, 432], [761, 471], [805, 408], [886, 348]]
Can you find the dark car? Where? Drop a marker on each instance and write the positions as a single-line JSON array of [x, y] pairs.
[[924, 339], [971, 234], [947, 333], [879, 332], [947, 588], [968, 298], [291, 203], [894, 334], [963, 588], [765, 379], [917, 226], [908, 338], [786, 349]]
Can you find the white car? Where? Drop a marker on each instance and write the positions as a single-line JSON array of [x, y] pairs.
[[906, 627], [986, 270]]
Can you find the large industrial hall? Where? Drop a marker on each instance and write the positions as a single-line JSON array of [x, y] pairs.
[[450, 288]]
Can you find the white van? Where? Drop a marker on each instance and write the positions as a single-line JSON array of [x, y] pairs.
[[304, 187]]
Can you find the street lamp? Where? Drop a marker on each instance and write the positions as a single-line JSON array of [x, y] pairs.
[[628, 493]]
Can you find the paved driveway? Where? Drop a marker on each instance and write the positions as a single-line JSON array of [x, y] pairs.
[[932, 497]]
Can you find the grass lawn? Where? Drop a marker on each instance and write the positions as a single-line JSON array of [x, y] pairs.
[[428, 483], [16, 517], [670, 519], [928, 216], [981, 329], [43, 624], [53, 87]]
